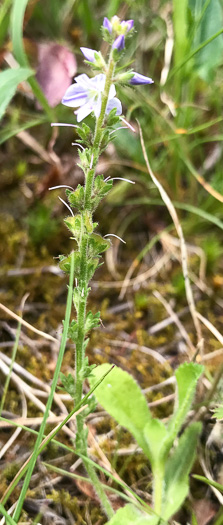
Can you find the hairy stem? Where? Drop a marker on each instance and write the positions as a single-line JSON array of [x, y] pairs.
[[83, 290]]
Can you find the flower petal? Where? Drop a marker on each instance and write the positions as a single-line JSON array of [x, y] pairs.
[[112, 92], [75, 96], [97, 106], [84, 111], [83, 80], [119, 43], [107, 24], [98, 82], [114, 103]]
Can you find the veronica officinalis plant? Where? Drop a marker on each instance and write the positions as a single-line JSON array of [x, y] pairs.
[[95, 95]]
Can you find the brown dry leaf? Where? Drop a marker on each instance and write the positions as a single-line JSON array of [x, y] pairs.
[[204, 510], [56, 68]]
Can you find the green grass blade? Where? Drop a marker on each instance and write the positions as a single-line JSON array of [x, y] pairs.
[[9, 132], [9, 80], [180, 205], [209, 482], [8, 518], [51, 395], [48, 438], [193, 53], [17, 18]]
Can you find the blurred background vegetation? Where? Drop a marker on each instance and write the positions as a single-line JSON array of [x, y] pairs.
[[180, 45]]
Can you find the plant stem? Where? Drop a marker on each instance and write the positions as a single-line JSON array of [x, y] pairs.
[[158, 475], [83, 290]]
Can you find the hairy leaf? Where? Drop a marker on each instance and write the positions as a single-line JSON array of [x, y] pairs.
[[178, 468], [187, 376], [121, 396], [130, 515]]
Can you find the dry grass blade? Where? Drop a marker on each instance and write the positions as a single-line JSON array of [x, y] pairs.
[[29, 458], [176, 320], [18, 430], [210, 327], [172, 211], [29, 326], [160, 263]]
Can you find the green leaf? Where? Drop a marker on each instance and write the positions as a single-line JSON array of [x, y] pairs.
[[92, 321], [121, 396], [208, 16], [130, 515], [97, 244], [17, 21], [76, 198], [68, 384], [65, 263], [178, 468], [74, 225], [218, 412], [155, 434], [9, 80], [11, 130], [187, 376]]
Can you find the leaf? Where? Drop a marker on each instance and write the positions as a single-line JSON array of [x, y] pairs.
[[187, 376], [155, 434], [9, 81], [17, 20], [178, 468], [121, 396], [68, 383], [218, 412], [209, 18], [130, 515]]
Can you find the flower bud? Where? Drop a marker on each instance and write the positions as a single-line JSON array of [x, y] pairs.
[[88, 53], [138, 79], [119, 43], [107, 24]]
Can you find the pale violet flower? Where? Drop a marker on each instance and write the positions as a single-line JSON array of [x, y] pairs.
[[88, 53], [86, 94], [138, 79]]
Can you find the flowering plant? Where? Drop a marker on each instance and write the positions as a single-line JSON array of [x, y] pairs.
[[97, 96]]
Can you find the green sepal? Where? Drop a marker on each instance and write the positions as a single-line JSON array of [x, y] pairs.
[[112, 118], [92, 265], [72, 331], [84, 132], [97, 244], [74, 225], [86, 370], [105, 139], [85, 158], [65, 262], [89, 225], [102, 187], [92, 405], [92, 321], [68, 383], [76, 198]]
